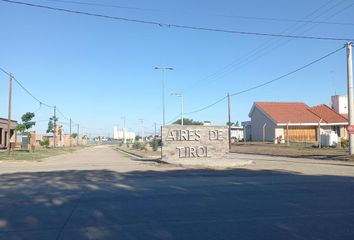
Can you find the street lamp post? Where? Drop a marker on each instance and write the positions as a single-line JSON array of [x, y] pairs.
[[163, 69], [180, 95]]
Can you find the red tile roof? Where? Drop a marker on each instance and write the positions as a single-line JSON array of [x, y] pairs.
[[327, 114], [298, 112]]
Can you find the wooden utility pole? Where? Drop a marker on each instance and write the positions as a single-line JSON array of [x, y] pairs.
[[349, 46], [155, 130], [71, 144], [78, 134], [55, 127], [9, 116], [229, 123]]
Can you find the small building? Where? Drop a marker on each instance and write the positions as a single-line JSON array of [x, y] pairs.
[[237, 133], [4, 130], [294, 121]]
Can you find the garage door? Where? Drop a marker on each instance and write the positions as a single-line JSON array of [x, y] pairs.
[[301, 134]]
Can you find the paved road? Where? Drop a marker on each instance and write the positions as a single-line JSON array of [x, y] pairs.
[[99, 193]]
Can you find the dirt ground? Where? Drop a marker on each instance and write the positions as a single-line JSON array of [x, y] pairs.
[[281, 150]]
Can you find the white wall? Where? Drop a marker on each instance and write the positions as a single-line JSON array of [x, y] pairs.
[[258, 119], [340, 104]]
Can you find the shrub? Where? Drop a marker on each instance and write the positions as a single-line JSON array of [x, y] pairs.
[[344, 143], [155, 143], [136, 145], [44, 142]]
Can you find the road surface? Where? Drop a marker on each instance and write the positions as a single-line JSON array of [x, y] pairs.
[[99, 193]]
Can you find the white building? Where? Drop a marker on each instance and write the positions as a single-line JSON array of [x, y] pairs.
[[125, 136], [340, 104]]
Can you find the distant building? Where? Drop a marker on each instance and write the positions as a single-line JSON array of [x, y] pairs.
[[237, 133], [124, 136]]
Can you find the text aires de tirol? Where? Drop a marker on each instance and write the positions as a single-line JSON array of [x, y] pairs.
[[193, 135]]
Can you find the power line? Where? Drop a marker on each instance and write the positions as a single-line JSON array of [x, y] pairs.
[[269, 45], [177, 25], [105, 5], [271, 19], [268, 82], [26, 90], [289, 73]]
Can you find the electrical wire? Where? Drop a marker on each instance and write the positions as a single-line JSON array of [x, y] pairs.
[[268, 82], [178, 25], [25, 89], [269, 45], [271, 19], [289, 73]]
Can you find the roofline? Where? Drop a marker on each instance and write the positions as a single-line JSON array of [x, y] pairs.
[[313, 124], [252, 109]]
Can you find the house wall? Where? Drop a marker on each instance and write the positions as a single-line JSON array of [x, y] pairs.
[[258, 119]]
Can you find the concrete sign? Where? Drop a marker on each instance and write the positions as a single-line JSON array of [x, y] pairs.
[[194, 142]]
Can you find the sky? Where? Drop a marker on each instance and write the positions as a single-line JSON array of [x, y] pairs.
[[99, 71]]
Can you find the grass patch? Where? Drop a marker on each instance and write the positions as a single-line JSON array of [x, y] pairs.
[[38, 154]]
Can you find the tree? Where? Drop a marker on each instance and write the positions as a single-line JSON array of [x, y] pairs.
[[52, 124], [26, 124], [187, 121], [237, 124], [230, 123], [74, 135]]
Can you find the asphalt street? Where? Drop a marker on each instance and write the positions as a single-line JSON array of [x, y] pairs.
[[99, 193]]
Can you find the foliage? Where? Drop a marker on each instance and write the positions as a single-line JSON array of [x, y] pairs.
[[188, 121], [52, 124], [44, 142], [137, 137], [236, 124], [230, 123], [26, 124], [74, 135], [344, 143], [139, 146], [155, 144]]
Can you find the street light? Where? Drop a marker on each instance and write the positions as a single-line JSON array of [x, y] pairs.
[[163, 69], [180, 95]]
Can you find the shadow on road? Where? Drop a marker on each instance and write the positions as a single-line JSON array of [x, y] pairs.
[[178, 204]]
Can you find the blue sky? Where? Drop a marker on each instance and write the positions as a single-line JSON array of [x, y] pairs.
[[98, 70]]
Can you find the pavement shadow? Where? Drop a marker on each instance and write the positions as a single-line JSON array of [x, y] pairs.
[[176, 204]]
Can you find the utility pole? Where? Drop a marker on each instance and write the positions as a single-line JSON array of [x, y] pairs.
[[78, 134], [55, 127], [155, 130], [123, 129], [229, 123], [349, 46], [163, 69], [180, 95], [9, 117], [70, 134], [142, 129]]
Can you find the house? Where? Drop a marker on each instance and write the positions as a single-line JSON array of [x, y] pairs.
[[294, 121], [4, 134]]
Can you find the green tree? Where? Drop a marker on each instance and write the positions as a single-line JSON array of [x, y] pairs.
[[26, 124], [188, 121], [52, 124], [74, 135], [230, 123], [237, 124]]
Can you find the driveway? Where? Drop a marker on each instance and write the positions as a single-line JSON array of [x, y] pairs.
[[99, 193]]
